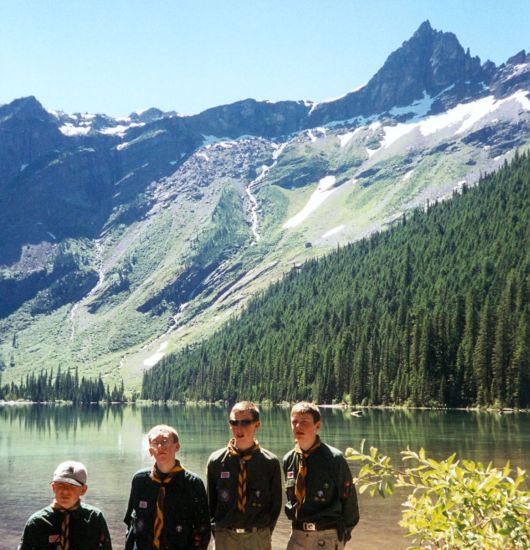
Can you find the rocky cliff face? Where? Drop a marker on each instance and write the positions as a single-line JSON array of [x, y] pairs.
[[113, 231], [431, 63]]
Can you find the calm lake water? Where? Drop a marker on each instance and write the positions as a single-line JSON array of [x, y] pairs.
[[111, 442]]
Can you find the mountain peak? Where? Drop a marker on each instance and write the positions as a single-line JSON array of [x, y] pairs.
[[24, 107], [424, 28], [431, 63]]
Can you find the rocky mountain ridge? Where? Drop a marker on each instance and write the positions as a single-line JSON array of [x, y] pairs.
[[115, 231]]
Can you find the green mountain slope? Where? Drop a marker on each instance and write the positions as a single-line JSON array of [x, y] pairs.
[[124, 240], [433, 311]]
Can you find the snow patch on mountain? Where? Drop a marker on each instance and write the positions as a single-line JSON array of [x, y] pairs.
[[344, 139], [458, 120], [70, 130], [322, 192], [82, 125], [418, 108], [211, 140], [520, 69], [152, 360], [466, 115], [316, 133], [407, 175], [121, 129], [333, 231], [522, 97]]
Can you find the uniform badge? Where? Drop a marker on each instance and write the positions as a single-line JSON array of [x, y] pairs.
[[258, 494], [224, 496], [225, 475], [54, 538], [142, 504], [179, 528], [290, 475]]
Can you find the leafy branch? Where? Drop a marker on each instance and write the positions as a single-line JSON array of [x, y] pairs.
[[452, 504]]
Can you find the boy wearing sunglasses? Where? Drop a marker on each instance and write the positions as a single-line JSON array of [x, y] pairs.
[[167, 508], [244, 486]]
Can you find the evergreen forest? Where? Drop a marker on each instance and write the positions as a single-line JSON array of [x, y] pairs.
[[431, 312], [63, 386]]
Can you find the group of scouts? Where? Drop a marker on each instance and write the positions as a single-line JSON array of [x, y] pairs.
[[170, 509]]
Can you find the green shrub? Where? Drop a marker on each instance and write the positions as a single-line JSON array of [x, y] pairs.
[[453, 504]]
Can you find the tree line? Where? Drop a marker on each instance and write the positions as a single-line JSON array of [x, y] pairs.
[[433, 311], [64, 386]]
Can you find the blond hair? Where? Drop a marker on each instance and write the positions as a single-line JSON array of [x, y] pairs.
[[247, 406], [162, 429]]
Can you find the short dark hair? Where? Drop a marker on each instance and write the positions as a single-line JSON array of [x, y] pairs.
[[247, 406], [304, 407]]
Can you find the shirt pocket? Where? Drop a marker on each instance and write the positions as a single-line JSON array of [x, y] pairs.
[[321, 490], [142, 519], [226, 492], [258, 495]]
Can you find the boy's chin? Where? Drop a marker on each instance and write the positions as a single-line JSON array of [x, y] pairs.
[[65, 503]]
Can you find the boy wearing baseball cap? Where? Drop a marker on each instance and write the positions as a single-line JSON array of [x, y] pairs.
[[67, 523]]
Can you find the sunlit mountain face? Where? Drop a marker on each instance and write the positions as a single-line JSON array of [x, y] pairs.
[[124, 239]]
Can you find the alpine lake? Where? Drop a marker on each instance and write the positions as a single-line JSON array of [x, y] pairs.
[[111, 442]]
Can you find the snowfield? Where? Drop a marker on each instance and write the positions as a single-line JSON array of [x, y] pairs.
[[323, 192]]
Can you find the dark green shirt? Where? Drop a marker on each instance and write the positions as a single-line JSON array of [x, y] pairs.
[[264, 490], [186, 520], [331, 499], [88, 529]]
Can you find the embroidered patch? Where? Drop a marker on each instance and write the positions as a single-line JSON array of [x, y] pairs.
[[179, 528], [258, 494], [225, 475], [142, 504], [224, 496], [54, 538], [290, 475]]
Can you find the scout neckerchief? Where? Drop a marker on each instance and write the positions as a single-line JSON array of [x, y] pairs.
[[163, 481], [244, 457], [64, 543], [299, 487]]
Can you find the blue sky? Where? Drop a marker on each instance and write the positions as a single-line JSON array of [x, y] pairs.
[[120, 56]]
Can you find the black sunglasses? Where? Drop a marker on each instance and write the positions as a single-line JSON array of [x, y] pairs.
[[244, 422]]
